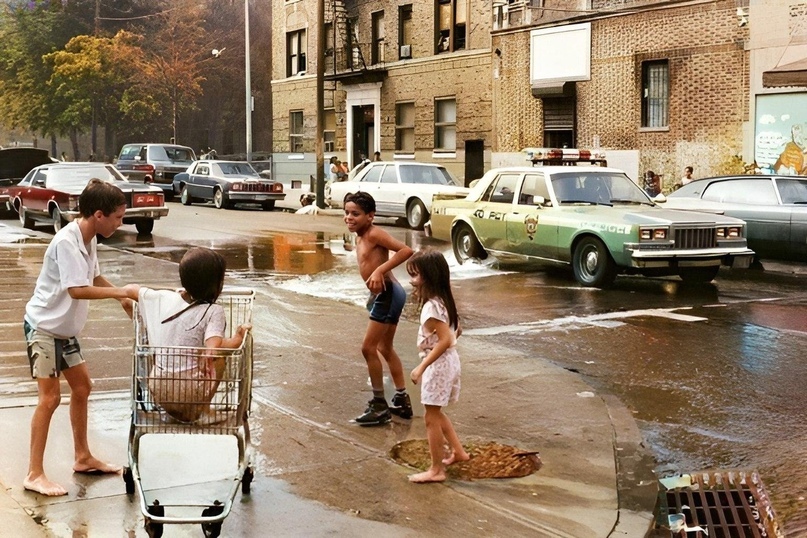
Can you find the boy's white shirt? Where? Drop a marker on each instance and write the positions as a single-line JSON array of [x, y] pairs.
[[68, 263]]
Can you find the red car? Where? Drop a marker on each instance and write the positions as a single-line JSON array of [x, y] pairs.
[[49, 194]]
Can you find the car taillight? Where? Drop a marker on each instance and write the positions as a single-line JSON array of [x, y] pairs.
[[148, 168], [147, 199]]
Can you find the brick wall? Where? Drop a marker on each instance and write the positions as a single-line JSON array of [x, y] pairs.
[[708, 69]]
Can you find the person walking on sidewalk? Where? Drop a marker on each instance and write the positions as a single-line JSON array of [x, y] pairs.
[[439, 368], [386, 303], [56, 313]]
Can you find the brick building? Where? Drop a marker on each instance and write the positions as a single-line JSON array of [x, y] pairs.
[[408, 79], [660, 85]]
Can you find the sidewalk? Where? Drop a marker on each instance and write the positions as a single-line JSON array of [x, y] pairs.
[[316, 473]]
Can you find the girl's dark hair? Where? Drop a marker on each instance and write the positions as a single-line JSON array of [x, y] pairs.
[[201, 272], [362, 199], [436, 280], [100, 195]]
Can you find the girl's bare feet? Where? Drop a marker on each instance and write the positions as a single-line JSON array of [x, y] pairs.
[[455, 457], [432, 475], [92, 465], [43, 486]]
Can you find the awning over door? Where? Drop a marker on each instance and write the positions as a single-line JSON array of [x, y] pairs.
[[792, 74]]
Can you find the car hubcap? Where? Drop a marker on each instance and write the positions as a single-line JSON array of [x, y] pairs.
[[465, 245], [414, 215], [590, 261]]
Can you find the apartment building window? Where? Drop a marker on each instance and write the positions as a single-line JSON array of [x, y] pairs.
[[354, 57], [655, 93], [445, 124], [329, 131], [378, 37], [452, 16], [296, 131], [328, 31], [405, 31], [296, 48], [405, 127]]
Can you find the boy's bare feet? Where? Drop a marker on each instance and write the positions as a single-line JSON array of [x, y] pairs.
[[95, 466], [454, 458], [427, 477], [43, 486]]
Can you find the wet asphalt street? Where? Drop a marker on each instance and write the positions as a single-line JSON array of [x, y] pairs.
[[713, 374]]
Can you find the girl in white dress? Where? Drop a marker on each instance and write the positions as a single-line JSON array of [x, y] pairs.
[[439, 368]]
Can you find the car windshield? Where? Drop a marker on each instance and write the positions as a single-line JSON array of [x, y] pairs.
[[76, 177], [428, 175], [236, 169], [171, 153], [597, 188]]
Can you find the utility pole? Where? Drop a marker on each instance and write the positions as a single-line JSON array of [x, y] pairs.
[[247, 80], [320, 194]]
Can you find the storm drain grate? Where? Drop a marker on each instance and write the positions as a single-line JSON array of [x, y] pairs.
[[731, 504]]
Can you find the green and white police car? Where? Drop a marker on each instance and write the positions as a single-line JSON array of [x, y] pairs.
[[595, 219]]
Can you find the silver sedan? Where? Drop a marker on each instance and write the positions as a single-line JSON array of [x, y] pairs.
[[774, 208]]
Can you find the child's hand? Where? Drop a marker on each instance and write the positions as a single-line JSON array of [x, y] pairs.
[[132, 291], [242, 329], [128, 307], [376, 282], [416, 374]]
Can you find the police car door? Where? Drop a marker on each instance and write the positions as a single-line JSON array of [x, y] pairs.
[[490, 215], [529, 230]]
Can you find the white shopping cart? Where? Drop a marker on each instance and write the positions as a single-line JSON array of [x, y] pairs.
[[178, 409]]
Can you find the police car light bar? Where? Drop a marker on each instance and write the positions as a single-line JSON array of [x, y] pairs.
[[563, 154]]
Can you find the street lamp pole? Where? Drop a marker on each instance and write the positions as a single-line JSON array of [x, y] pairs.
[[247, 81]]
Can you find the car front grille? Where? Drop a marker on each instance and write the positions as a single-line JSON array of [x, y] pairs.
[[694, 238], [254, 187]]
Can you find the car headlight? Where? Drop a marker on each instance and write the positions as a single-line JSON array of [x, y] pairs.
[[653, 234], [236, 187], [730, 232]]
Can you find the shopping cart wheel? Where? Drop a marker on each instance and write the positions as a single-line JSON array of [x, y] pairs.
[[155, 530], [128, 479], [212, 530], [246, 480]]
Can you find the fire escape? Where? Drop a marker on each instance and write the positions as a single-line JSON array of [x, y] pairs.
[[349, 59]]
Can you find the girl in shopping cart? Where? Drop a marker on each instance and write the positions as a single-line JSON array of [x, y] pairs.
[[183, 381]]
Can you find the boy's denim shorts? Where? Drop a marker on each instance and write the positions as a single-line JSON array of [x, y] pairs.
[[48, 356]]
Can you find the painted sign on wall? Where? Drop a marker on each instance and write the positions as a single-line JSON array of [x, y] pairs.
[[780, 142]]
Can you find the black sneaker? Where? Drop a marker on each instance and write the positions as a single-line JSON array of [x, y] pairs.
[[401, 406], [377, 413]]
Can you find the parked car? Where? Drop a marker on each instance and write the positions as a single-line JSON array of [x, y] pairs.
[[49, 194], [226, 183], [154, 163], [594, 219], [774, 209], [16, 162], [400, 189]]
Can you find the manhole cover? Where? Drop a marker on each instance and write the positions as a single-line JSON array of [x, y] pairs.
[[716, 504], [488, 459]]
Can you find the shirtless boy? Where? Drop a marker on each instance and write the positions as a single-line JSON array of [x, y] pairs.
[[54, 316], [386, 303]]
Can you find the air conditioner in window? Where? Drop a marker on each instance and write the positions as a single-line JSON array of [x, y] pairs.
[[406, 51]]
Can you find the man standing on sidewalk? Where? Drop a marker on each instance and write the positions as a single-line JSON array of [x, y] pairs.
[[56, 313]]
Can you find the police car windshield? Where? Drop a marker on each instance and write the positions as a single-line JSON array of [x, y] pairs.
[[596, 188]]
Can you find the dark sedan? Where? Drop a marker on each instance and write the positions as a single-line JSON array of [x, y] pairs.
[[49, 194], [227, 183], [773, 207]]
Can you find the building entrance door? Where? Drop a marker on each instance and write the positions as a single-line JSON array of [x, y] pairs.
[[363, 133], [474, 160]]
